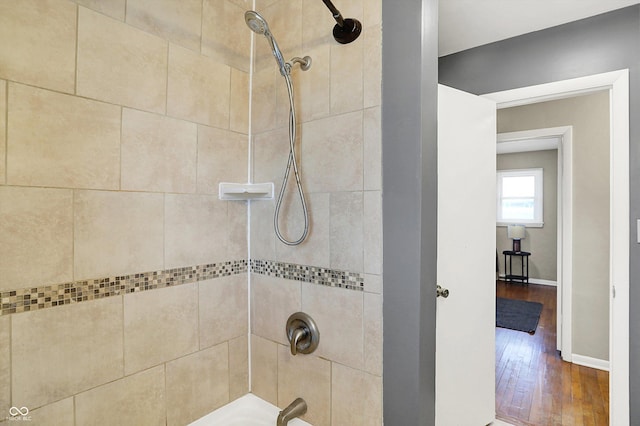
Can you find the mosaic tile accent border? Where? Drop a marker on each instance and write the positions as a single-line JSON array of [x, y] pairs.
[[34, 298], [309, 274]]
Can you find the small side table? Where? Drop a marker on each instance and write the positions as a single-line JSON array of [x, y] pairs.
[[524, 266]]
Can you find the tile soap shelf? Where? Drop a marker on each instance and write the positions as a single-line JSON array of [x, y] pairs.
[[245, 191]]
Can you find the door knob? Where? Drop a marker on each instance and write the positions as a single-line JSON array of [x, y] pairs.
[[442, 292]]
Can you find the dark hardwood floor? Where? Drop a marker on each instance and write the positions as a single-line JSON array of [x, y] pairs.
[[533, 385]]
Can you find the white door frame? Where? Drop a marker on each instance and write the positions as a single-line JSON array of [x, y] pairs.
[[564, 276], [617, 82]]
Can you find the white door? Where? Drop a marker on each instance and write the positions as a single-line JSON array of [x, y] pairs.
[[465, 324]]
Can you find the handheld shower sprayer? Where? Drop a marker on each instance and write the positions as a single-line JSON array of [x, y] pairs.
[[259, 25], [346, 30]]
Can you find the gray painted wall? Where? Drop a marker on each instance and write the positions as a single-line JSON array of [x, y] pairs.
[[409, 142], [599, 44], [541, 242]]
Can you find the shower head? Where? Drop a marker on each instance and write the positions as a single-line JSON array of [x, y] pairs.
[[259, 26], [256, 22], [346, 30]]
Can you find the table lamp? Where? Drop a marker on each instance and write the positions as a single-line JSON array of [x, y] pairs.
[[516, 233]]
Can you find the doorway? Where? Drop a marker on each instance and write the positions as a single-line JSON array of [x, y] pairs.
[[617, 83], [525, 385], [559, 139]]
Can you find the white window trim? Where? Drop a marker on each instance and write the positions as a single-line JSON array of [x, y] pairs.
[[538, 221]]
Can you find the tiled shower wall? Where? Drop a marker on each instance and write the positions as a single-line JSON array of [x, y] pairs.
[[117, 120], [339, 145]]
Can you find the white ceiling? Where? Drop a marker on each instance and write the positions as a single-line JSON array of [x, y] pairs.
[[470, 23]]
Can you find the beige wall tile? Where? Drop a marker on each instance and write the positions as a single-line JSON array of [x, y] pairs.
[[5, 364], [347, 214], [158, 153], [285, 23], [264, 369], [197, 384], [195, 230], [356, 397], [36, 230], [120, 64], [199, 88], [239, 114], [50, 132], [237, 230], [61, 351], [159, 326], [372, 66], [176, 21], [130, 225], [372, 149], [270, 155], [263, 238], [314, 250], [133, 400], [225, 37], [332, 308], [309, 378], [373, 283], [244, 4], [332, 154], [373, 333], [372, 13], [59, 413], [373, 232], [223, 309], [222, 157], [263, 99], [312, 86], [318, 24], [282, 101], [38, 43], [113, 8], [3, 130], [347, 88], [272, 301], [238, 367], [260, 4]]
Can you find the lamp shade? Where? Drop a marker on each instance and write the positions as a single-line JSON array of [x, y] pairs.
[[515, 232]]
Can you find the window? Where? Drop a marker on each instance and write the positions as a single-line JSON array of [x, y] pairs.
[[519, 197]]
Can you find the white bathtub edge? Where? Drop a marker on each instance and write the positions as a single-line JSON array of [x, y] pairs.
[[248, 410]]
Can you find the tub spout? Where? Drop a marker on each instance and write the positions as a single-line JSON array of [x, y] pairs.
[[296, 409]]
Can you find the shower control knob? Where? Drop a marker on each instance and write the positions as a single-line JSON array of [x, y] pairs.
[[302, 333]]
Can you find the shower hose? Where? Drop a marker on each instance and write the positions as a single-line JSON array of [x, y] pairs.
[[291, 162]]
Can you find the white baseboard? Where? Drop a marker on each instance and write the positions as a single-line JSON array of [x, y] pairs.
[[543, 282], [536, 281], [587, 361]]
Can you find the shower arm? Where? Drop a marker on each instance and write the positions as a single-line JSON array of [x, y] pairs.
[[336, 13], [305, 63]]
